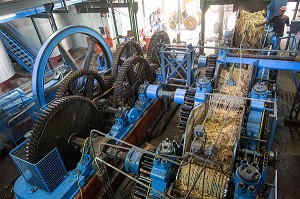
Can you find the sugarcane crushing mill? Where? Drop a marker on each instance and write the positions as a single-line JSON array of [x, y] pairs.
[[88, 138]]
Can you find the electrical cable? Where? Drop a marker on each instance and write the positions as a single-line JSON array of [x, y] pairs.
[[232, 98], [78, 170], [108, 188], [134, 147], [132, 178]]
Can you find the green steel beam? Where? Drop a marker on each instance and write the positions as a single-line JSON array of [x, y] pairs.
[[133, 8]]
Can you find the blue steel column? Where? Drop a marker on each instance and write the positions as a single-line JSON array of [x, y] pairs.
[[189, 66], [163, 67]]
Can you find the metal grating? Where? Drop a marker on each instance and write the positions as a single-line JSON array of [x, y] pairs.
[[47, 174], [17, 114]]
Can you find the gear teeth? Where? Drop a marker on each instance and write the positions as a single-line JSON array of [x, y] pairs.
[[120, 50], [210, 66], [63, 90], [142, 74], [109, 81], [186, 109], [153, 55], [146, 164], [153, 68], [39, 127]]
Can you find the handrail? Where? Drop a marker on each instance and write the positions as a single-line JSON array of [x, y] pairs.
[[20, 37]]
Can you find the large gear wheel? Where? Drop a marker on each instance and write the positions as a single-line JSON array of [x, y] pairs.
[[190, 22], [86, 83], [172, 24], [124, 52], [54, 41], [134, 72], [73, 115], [157, 39]]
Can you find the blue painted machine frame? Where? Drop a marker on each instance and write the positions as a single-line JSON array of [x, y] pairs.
[[177, 61]]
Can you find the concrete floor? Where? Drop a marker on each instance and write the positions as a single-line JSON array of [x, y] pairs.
[[8, 173], [287, 141]]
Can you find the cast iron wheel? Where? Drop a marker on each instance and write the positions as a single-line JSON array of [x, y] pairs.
[[63, 117], [132, 74], [190, 23], [86, 83], [54, 41], [129, 49], [157, 39]]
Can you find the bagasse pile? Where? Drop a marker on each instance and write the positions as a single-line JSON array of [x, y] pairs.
[[227, 138], [215, 180], [245, 77], [247, 21], [211, 177]]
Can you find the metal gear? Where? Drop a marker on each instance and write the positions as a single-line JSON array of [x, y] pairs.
[[140, 191], [72, 115], [123, 53], [40, 64], [101, 106], [86, 83], [190, 22], [157, 39], [109, 81], [132, 74], [186, 108], [210, 66], [153, 68]]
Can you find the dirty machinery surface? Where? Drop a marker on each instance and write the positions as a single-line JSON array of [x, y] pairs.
[[227, 124]]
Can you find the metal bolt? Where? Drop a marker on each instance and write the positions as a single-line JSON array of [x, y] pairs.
[[241, 185], [251, 188]]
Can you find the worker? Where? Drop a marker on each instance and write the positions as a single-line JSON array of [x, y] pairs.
[[278, 28], [128, 37]]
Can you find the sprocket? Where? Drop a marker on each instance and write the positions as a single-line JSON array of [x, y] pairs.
[[72, 115]]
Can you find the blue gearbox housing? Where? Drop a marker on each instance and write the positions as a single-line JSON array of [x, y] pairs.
[[162, 168], [247, 181], [259, 92], [48, 178], [203, 87], [132, 161], [126, 117]]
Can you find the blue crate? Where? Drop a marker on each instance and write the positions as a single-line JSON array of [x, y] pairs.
[[17, 114], [47, 174]]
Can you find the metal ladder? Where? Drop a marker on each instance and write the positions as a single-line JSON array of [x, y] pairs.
[[17, 51]]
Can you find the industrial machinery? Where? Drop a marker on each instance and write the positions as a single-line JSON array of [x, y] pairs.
[[189, 18], [93, 130], [20, 108]]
